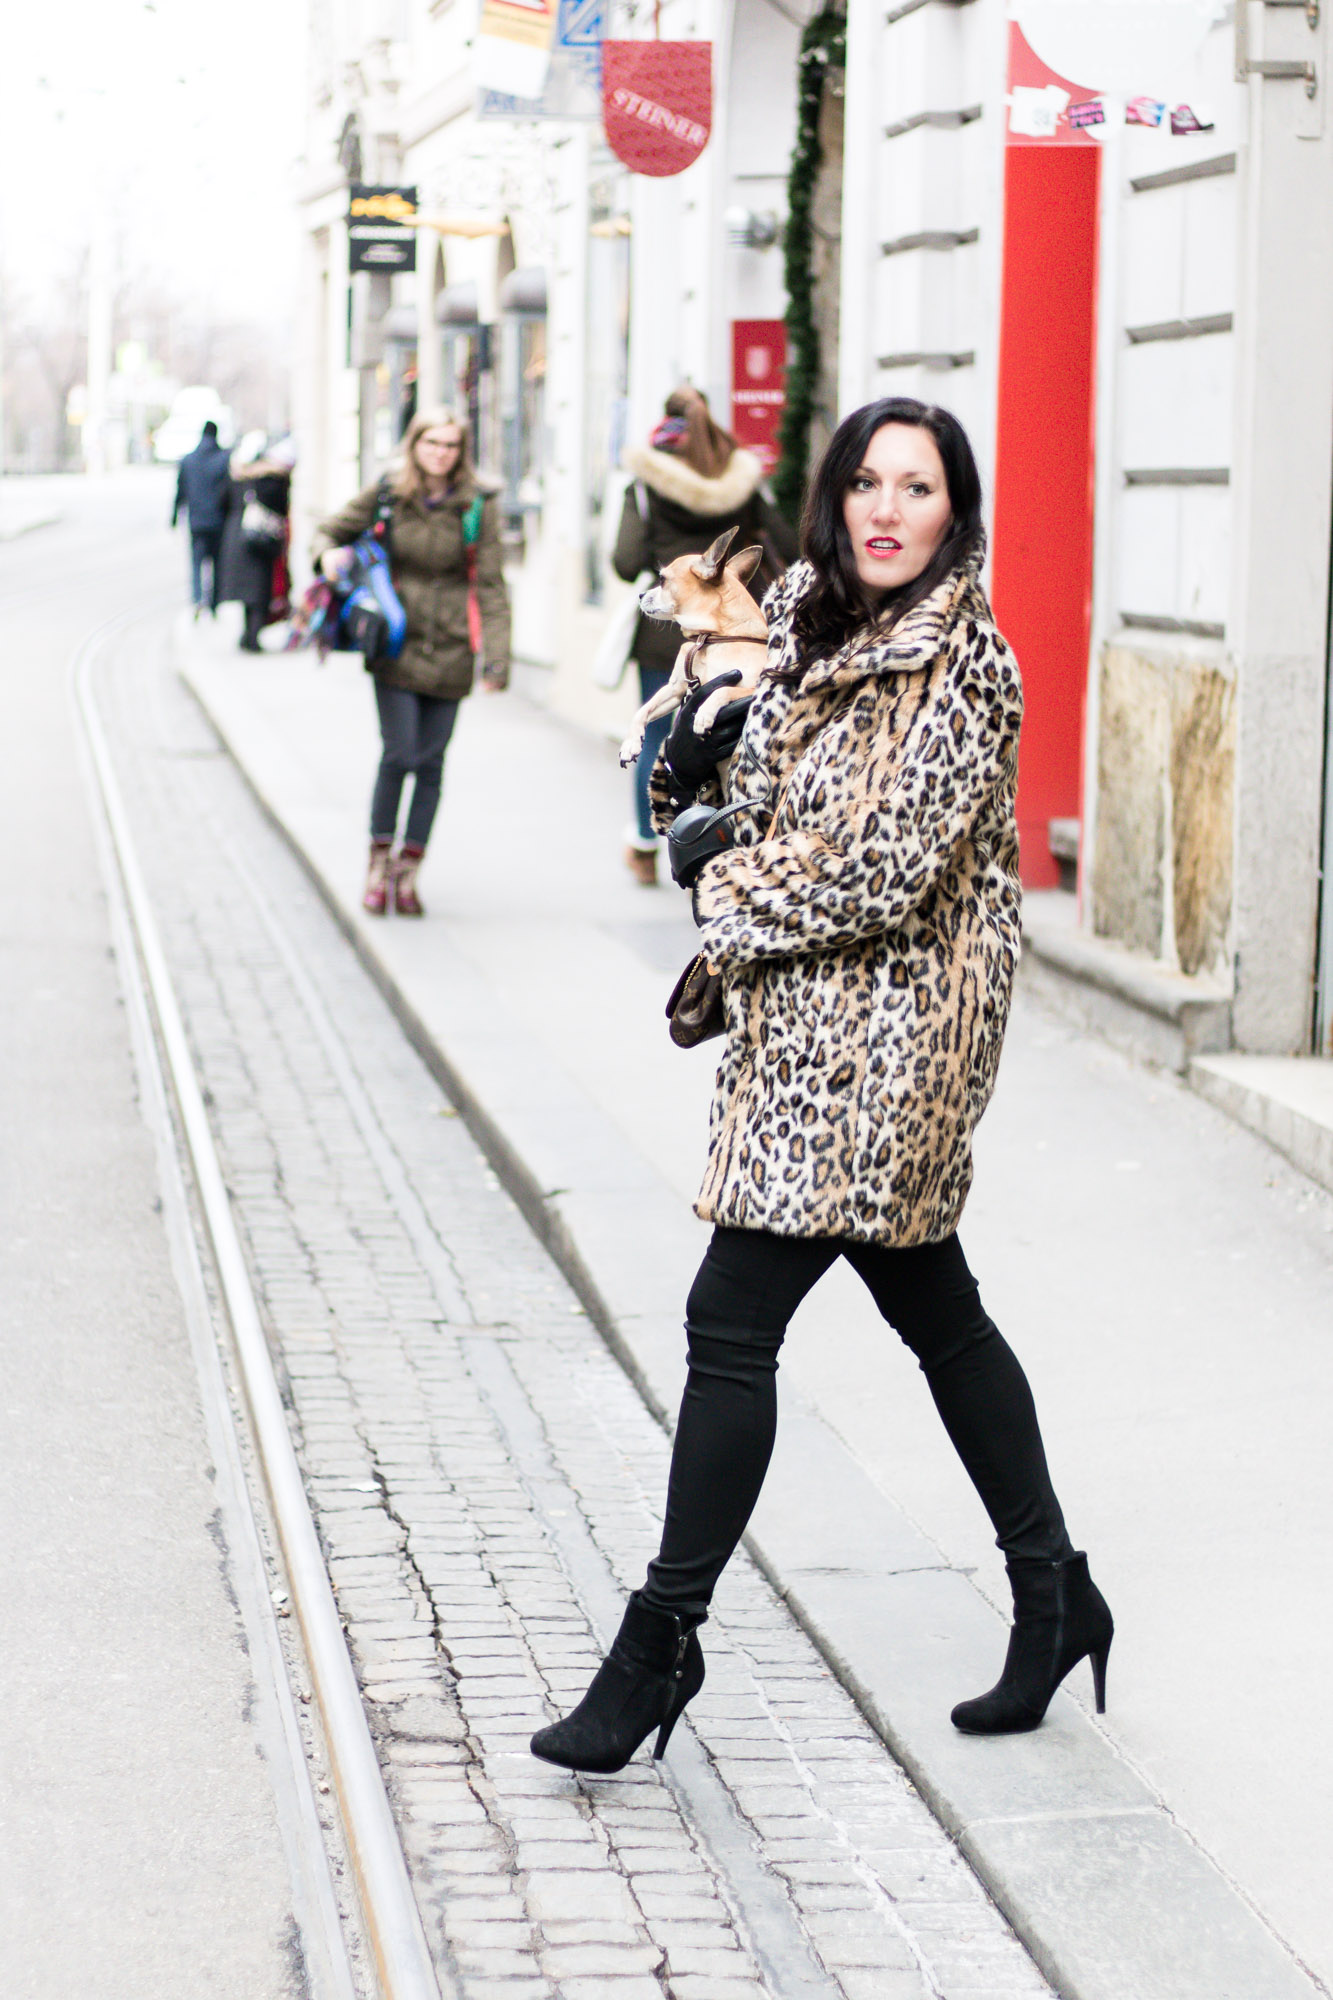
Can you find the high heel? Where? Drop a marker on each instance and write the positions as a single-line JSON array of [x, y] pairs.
[[1060, 1618], [654, 1668], [688, 1688]]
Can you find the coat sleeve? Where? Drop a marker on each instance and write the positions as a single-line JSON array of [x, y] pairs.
[[341, 529], [492, 593], [179, 501], [867, 854], [633, 550]]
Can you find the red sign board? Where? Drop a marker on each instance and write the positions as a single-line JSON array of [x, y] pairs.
[[758, 376], [657, 103]]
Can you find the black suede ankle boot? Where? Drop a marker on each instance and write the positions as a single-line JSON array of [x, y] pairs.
[[654, 1667], [1060, 1618]]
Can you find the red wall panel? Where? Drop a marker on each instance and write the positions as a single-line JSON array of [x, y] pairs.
[[1043, 514]]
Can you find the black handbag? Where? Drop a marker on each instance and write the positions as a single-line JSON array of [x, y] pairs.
[[262, 528], [695, 1012]]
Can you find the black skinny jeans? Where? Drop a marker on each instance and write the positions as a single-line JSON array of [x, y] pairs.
[[416, 729], [748, 1286]]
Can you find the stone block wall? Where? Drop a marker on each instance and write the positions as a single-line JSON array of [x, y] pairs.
[[1161, 879]]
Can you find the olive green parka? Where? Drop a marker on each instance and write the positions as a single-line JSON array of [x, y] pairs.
[[428, 564]]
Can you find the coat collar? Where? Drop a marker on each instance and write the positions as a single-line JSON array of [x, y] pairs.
[[910, 645], [675, 480], [465, 491]]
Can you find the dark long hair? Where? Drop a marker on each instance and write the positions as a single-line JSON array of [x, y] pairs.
[[837, 606]]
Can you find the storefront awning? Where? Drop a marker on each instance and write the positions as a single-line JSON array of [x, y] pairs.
[[524, 291], [458, 305]]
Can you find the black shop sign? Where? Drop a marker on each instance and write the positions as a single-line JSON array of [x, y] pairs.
[[381, 232]]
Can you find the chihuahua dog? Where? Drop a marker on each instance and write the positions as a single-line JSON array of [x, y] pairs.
[[724, 629]]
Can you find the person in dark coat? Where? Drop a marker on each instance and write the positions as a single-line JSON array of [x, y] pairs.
[[249, 557], [691, 482], [203, 490]]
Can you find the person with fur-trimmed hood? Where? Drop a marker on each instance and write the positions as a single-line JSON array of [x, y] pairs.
[[690, 483]]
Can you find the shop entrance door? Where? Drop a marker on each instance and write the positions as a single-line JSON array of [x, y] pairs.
[[1043, 515]]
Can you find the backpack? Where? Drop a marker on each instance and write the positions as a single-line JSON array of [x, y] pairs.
[[471, 536]]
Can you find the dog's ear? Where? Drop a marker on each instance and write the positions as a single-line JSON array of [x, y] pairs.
[[744, 565], [708, 568]]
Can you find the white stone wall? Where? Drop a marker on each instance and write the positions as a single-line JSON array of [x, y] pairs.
[[924, 155]]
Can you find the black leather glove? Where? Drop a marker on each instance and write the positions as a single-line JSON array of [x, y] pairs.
[[693, 759]]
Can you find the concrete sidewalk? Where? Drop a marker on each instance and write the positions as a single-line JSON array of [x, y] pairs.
[[1163, 1274], [35, 501]]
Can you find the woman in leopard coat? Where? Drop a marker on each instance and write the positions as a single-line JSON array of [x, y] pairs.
[[865, 921]]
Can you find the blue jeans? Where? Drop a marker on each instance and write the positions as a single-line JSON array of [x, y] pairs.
[[651, 681], [416, 729]]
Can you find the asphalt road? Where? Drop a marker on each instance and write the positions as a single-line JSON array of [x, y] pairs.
[[145, 1822]]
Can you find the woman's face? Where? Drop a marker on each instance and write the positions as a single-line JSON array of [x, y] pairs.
[[438, 451], [896, 508]]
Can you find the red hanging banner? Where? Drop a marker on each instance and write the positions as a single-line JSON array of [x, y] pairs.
[[657, 103]]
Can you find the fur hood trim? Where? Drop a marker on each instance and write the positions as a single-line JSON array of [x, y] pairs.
[[678, 482]]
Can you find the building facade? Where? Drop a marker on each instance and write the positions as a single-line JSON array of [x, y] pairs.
[[556, 298], [1097, 233], [1135, 319]]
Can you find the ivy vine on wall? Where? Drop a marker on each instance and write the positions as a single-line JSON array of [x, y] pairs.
[[823, 47]]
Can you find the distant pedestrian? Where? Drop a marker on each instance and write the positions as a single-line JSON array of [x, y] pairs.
[[203, 491], [866, 927], [689, 484], [443, 543], [254, 542]]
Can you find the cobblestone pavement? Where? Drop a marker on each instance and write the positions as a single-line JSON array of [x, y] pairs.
[[486, 1483]]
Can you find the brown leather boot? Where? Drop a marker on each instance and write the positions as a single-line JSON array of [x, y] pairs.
[[376, 897], [405, 898], [642, 865]]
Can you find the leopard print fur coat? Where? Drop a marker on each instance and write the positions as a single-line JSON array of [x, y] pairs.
[[868, 942]]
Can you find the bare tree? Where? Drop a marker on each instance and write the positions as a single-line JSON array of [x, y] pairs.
[[46, 346]]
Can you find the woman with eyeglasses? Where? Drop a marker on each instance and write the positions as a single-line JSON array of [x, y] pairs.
[[442, 537]]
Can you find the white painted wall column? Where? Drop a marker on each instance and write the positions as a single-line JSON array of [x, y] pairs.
[[862, 143], [429, 346], [1279, 614], [344, 472]]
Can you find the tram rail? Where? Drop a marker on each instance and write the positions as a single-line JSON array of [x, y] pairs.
[[403, 1965]]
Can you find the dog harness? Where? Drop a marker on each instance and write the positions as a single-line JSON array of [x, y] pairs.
[[706, 639]]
